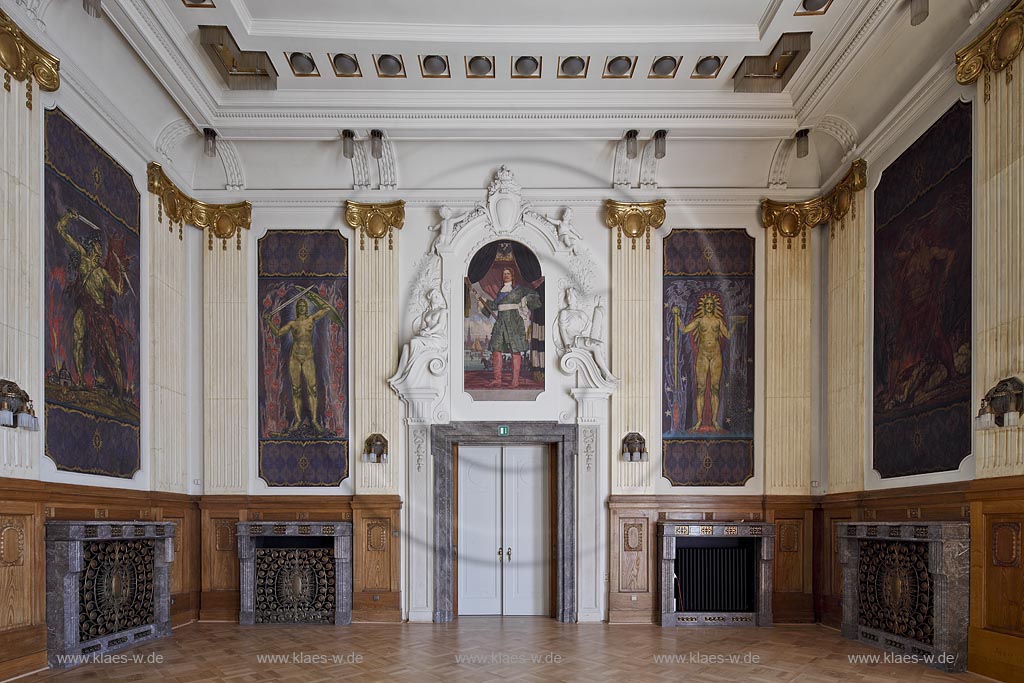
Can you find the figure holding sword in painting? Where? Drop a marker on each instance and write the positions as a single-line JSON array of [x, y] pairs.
[[302, 361], [94, 324]]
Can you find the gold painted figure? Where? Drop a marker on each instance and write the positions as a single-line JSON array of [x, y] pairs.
[[302, 362], [93, 324], [708, 328]]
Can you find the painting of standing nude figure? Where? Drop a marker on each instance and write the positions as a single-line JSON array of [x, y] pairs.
[[708, 358], [92, 362], [922, 329], [504, 330], [303, 400]]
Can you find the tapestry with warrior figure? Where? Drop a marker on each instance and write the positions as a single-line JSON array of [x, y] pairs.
[[922, 331], [503, 351], [303, 356], [91, 253], [708, 358]]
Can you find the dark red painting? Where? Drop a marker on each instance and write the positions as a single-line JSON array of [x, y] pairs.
[[922, 303]]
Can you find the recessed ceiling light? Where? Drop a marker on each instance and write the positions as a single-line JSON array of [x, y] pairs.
[[198, 3], [480, 66], [435, 65], [664, 66], [389, 65], [302, 63], [707, 67], [345, 65], [573, 66], [619, 66], [527, 66], [814, 5]]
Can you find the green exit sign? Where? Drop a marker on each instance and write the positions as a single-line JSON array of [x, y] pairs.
[[502, 430]]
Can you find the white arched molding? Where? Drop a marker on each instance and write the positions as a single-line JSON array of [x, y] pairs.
[[171, 136], [234, 173], [621, 167], [387, 165], [842, 131], [778, 174], [649, 167], [360, 167]]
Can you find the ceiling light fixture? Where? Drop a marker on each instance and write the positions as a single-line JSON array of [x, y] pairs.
[[918, 11], [631, 144], [480, 66], [527, 66], [389, 65], [302, 63], [659, 143], [348, 143], [93, 8], [210, 142], [435, 65], [573, 66], [345, 65], [619, 66], [814, 5], [707, 67], [376, 143], [664, 66], [802, 146]]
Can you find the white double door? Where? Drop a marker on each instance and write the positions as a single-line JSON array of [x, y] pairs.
[[504, 530]]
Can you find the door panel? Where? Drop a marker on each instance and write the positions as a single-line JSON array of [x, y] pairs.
[[479, 530], [525, 530]]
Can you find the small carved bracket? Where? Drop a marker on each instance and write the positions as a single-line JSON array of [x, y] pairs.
[[375, 220], [795, 219], [223, 221], [24, 60]]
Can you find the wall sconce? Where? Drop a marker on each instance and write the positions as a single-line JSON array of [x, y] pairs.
[[375, 449], [918, 12], [1002, 405], [210, 142], [634, 448], [631, 144], [93, 8], [659, 143], [802, 146], [16, 407], [376, 143], [348, 143]]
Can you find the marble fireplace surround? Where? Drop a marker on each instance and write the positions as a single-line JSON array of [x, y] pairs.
[[563, 437]]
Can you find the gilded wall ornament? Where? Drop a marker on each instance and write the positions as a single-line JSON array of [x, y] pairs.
[[792, 220], [23, 59], [375, 220], [636, 219], [994, 50], [223, 221]]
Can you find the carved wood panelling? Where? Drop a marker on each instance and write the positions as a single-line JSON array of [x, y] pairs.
[[633, 561], [1004, 575], [16, 577], [789, 556], [1006, 544], [376, 580]]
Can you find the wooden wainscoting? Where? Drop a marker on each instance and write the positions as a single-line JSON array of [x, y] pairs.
[[220, 516], [793, 579], [24, 508], [376, 581]]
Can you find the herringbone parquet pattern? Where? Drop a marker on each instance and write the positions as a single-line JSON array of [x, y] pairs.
[[511, 649]]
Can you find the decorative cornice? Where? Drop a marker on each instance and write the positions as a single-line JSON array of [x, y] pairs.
[[795, 219], [223, 221], [994, 50], [636, 219], [375, 220], [23, 59]]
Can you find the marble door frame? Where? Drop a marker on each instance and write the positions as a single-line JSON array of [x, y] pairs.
[[563, 436]]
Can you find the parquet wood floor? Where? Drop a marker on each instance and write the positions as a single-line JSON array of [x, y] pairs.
[[519, 649]]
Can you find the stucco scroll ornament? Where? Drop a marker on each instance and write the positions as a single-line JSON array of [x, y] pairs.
[[505, 205], [23, 59], [424, 361], [994, 50], [578, 338]]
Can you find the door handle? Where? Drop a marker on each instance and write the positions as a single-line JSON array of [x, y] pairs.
[[499, 554], [508, 551]]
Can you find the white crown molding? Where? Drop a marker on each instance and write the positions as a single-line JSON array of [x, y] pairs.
[[507, 33], [770, 10], [821, 74]]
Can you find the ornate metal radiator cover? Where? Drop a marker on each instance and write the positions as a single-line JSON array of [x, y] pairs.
[[295, 584], [107, 586], [906, 588]]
